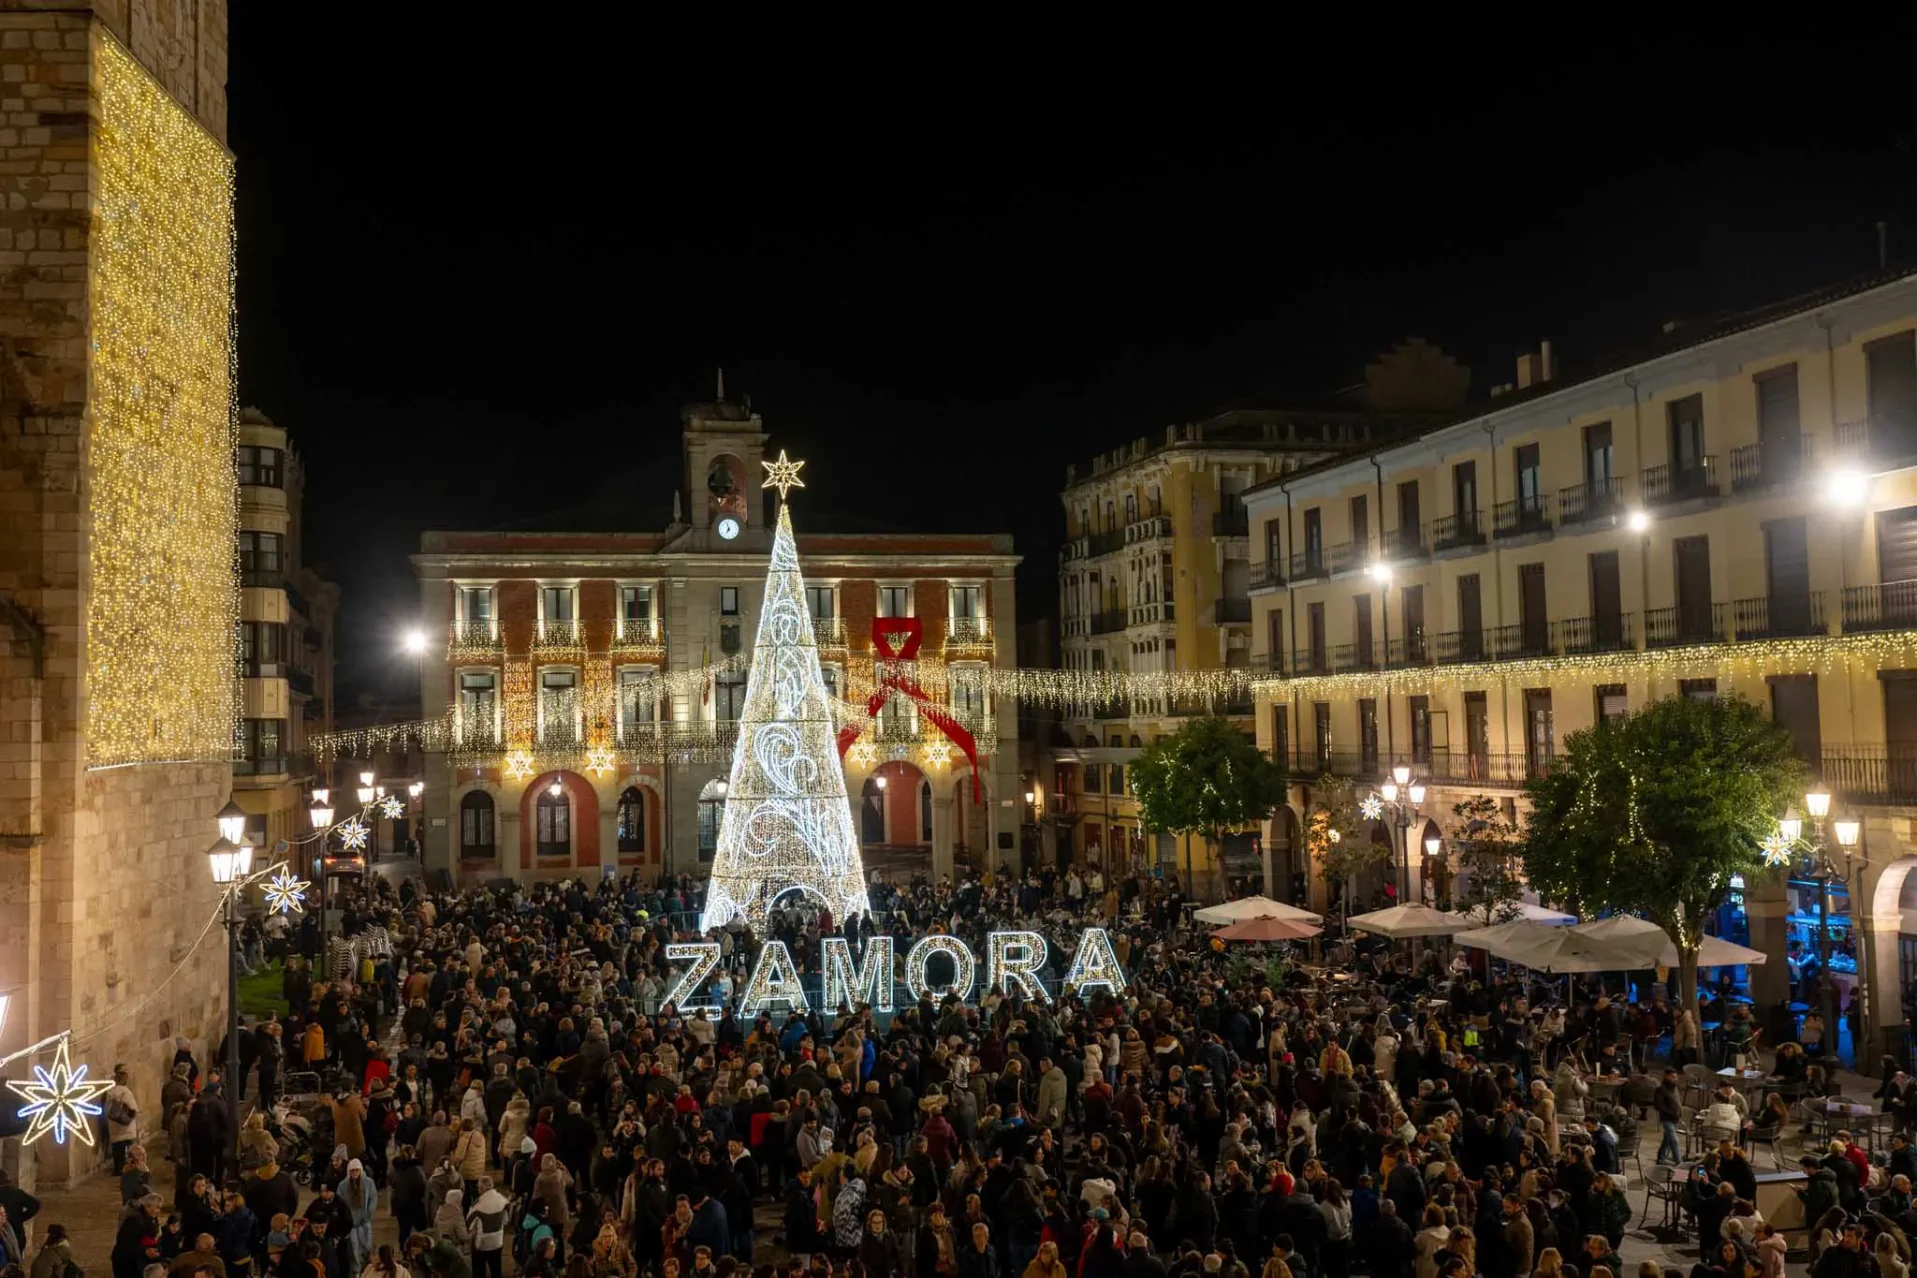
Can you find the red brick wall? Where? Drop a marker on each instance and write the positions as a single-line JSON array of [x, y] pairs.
[[585, 820], [518, 614]]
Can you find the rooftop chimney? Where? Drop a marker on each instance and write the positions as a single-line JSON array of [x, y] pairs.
[[1535, 367]]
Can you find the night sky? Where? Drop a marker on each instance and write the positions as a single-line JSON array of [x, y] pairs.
[[483, 263]]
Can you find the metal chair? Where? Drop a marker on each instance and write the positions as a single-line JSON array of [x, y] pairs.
[[1661, 1186], [1767, 1137], [1699, 1081]]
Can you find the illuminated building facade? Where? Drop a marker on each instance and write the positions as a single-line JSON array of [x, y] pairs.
[[583, 736], [1156, 575], [119, 705], [1736, 514], [286, 638]]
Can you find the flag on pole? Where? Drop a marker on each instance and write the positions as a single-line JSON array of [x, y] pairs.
[[705, 662]]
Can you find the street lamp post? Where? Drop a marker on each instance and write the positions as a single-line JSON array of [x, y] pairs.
[[230, 864], [1823, 871], [1402, 813]]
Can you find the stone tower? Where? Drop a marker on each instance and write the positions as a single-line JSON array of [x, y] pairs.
[[119, 700]]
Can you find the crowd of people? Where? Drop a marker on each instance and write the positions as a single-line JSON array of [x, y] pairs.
[[505, 1083]]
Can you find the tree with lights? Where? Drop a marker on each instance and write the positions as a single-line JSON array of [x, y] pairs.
[[787, 825], [1656, 815], [1332, 837], [1487, 843], [1205, 779]]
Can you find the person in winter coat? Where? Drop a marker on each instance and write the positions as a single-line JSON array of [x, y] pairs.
[[880, 1251], [56, 1255], [359, 1198], [469, 1156], [438, 1184], [449, 1223], [257, 1146], [270, 1191], [610, 1257], [490, 1221], [550, 1188], [801, 1214], [349, 1122], [406, 1183], [514, 1126], [1052, 1094]]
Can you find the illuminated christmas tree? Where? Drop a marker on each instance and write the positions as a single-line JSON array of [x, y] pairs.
[[787, 825]]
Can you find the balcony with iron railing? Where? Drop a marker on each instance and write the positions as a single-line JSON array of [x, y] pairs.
[[1231, 612], [1156, 613], [1449, 647], [473, 638], [1675, 626], [1108, 622], [1889, 606], [1408, 541], [1112, 710], [1310, 661], [1761, 465], [1105, 543], [1780, 616], [636, 632], [968, 632], [1601, 498], [1354, 656], [1613, 632], [1270, 663], [1268, 575], [1870, 774], [1414, 650], [265, 765], [1327, 560], [478, 730], [1149, 528], [562, 634], [1452, 532], [1665, 483], [1505, 769], [1521, 516], [828, 632], [1518, 640]]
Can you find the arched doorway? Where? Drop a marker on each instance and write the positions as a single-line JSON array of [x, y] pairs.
[[552, 836], [895, 809], [559, 823], [1444, 880]]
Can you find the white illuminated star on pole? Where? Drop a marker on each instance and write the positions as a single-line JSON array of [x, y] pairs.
[[59, 1100], [782, 474]]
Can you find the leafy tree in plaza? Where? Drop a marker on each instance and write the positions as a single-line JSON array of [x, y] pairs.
[[1207, 779], [1654, 815], [1486, 845], [1335, 837]]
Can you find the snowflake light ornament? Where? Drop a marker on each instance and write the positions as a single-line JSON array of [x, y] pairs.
[[863, 753], [1776, 850], [391, 808], [519, 765], [59, 1100], [1372, 808], [599, 762], [352, 835], [286, 894], [938, 753]]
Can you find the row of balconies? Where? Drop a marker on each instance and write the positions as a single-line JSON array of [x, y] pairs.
[[1859, 774], [563, 731], [1892, 606], [1754, 468], [647, 635], [1233, 521]]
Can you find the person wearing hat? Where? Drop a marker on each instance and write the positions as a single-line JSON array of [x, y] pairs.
[[359, 1198]]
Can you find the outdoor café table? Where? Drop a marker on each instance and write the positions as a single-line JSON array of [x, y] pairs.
[[1860, 1120], [1777, 1200], [1742, 1079]]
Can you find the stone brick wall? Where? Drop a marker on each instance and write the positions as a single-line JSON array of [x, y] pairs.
[[103, 878]]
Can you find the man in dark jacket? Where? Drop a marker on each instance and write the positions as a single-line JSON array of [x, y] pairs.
[[1405, 1187], [1389, 1244], [708, 1227]]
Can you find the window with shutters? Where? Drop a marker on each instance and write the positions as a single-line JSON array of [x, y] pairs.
[[476, 826], [1613, 702], [553, 817], [1697, 689], [1367, 735], [1891, 384], [1794, 705], [1420, 708], [1360, 522]]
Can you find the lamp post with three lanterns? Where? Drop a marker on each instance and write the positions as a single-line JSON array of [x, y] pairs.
[[1791, 843], [1403, 795]]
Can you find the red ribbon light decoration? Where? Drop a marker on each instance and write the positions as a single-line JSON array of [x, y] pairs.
[[895, 680]]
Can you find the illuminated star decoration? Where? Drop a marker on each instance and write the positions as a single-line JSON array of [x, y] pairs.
[[352, 834], [285, 894], [782, 474], [863, 753], [1372, 808], [391, 808], [938, 753], [59, 1100], [1776, 850], [1336, 836], [599, 762], [519, 766]]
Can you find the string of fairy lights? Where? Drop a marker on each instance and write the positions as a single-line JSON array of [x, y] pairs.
[[163, 498], [1064, 690]]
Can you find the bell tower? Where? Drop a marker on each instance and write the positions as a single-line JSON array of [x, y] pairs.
[[725, 442]]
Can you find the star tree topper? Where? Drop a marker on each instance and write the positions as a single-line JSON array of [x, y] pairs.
[[59, 1100], [782, 474]]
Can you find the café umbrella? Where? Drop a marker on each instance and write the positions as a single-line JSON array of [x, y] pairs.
[[1254, 907], [1268, 929], [1401, 921]]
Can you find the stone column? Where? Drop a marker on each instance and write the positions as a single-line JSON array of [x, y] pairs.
[[944, 832], [1772, 980]]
